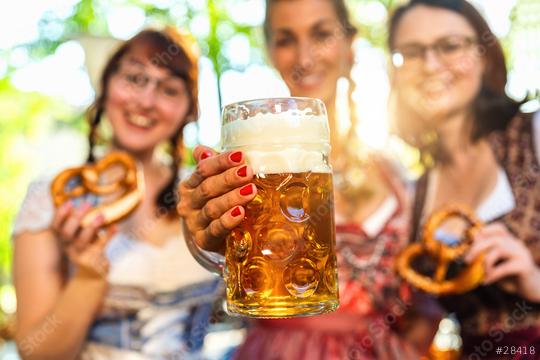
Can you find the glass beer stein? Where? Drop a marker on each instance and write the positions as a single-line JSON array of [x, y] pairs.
[[280, 261]]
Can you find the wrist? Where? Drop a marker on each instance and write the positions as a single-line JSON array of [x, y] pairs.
[[89, 277]]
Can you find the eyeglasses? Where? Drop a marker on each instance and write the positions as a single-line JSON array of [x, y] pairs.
[[448, 50], [170, 89]]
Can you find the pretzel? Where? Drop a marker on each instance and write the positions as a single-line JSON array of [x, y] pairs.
[[128, 190], [466, 280]]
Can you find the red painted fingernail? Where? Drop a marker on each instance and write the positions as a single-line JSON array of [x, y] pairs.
[[236, 156], [242, 172], [236, 212], [205, 155], [246, 190]]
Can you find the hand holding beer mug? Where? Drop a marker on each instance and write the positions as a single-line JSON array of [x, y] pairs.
[[280, 261]]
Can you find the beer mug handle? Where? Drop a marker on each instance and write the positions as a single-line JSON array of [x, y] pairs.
[[211, 261]]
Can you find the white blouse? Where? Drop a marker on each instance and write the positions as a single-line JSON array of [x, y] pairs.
[[155, 293], [501, 200]]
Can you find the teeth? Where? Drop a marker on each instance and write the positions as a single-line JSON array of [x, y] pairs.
[[141, 121]]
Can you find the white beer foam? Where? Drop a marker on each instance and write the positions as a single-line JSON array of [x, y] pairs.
[[289, 160], [281, 143]]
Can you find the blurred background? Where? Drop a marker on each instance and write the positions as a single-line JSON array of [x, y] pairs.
[[50, 50]]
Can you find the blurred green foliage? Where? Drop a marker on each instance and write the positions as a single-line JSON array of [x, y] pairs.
[[24, 116]]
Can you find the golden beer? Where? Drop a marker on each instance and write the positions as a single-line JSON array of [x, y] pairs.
[[280, 261]]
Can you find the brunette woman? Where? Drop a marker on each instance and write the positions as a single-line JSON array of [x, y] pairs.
[[133, 292], [449, 81]]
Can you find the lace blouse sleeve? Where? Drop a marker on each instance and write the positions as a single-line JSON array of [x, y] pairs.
[[37, 210]]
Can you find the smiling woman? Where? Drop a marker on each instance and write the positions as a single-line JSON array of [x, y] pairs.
[[310, 44], [104, 290], [449, 86], [154, 70], [310, 55]]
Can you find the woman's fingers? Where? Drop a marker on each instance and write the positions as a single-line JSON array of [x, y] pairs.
[[192, 200], [89, 233], [73, 223], [212, 238], [220, 184], [211, 199], [479, 246], [91, 259], [213, 165], [504, 269], [491, 258], [216, 207], [61, 215]]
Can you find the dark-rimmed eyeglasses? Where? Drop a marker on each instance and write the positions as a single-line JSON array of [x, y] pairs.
[[448, 49], [137, 80]]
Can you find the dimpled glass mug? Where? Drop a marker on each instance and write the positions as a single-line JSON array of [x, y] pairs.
[[280, 261]]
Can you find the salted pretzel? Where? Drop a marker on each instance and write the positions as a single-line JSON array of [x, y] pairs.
[[466, 280], [118, 197]]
